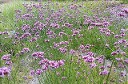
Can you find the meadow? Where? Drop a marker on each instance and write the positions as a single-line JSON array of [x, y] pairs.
[[64, 42]]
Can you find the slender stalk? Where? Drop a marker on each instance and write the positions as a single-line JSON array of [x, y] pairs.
[[109, 72]]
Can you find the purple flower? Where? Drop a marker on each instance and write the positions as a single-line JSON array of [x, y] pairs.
[[25, 50], [39, 71], [6, 57], [61, 34], [45, 67], [27, 16], [61, 62], [114, 53], [100, 59], [75, 32], [72, 51], [25, 27], [53, 64], [38, 54], [92, 65], [4, 71], [102, 67], [63, 50], [123, 73], [106, 24], [125, 10], [121, 65], [8, 62], [43, 61], [56, 45], [68, 25], [82, 47], [88, 59], [33, 39], [104, 72], [25, 35], [54, 25], [32, 72]]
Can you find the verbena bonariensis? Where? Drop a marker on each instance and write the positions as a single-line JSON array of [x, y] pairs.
[[61, 47]]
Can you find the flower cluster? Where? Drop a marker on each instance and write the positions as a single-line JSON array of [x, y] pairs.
[[38, 55], [5, 71]]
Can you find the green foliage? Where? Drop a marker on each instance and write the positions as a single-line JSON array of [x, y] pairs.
[[125, 1]]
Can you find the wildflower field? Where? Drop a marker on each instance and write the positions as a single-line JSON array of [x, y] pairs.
[[64, 42]]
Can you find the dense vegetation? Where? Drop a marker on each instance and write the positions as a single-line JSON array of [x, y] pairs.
[[63, 42]]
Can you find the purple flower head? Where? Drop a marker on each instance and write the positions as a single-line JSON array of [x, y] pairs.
[[123, 73], [54, 25], [27, 16], [102, 67], [53, 64], [72, 51], [8, 62], [63, 50], [75, 32], [105, 24], [45, 67], [88, 59], [5, 33], [25, 35], [6, 57], [68, 25], [38, 55], [87, 46], [104, 72], [100, 59], [90, 54], [122, 41], [61, 34], [32, 72], [5, 71], [49, 32], [61, 62], [121, 14], [121, 65], [73, 6], [64, 43], [92, 65], [43, 61], [82, 47], [25, 50], [25, 27], [96, 24], [1, 73], [39, 26], [114, 53], [38, 6], [56, 45], [125, 10], [39, 71], [33, 39], [116, 36]]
